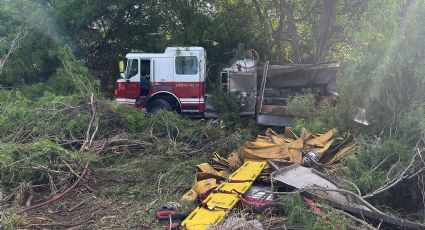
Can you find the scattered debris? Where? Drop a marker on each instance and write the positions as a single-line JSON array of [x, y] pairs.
[[324, 149], [259, 199], [285, 165]]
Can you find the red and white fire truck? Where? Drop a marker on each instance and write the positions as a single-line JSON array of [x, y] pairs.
[[175, 80]]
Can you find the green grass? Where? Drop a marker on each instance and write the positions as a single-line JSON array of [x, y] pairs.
[[299, 214]]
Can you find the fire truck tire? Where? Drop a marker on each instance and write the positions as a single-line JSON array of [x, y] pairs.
[[159, 104]]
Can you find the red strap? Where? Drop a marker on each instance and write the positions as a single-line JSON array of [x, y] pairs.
[[233, 191], [161, 214], [205, 205]]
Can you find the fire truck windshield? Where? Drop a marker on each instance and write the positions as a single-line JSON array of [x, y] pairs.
[[132, 68]]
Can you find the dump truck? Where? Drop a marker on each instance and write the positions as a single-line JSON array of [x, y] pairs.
[[176, 80]]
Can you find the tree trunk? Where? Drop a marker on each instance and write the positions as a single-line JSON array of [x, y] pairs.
[[290, 21], [268, 23], [324, 34]]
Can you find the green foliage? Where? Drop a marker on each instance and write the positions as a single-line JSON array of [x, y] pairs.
[[146, 169], [315, 125], [375, 161], [226, 104], [34, 59], [301, 105], [25, 162], [412, 125], [177, 134], [39, 54], [297, 211], [317, 117], [158, 180], [36, 132], [9, 222], [387, 78], [33, 62], [73, 77], [28, 117], [299, 214]]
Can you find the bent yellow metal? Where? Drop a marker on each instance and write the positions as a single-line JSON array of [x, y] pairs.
[[224, 198]]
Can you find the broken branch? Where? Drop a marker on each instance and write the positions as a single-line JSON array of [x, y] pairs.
[[405, 174]]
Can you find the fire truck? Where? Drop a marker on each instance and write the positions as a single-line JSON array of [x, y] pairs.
[[175, 81]]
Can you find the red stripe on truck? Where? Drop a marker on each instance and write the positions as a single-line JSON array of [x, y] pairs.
[[190, 94]]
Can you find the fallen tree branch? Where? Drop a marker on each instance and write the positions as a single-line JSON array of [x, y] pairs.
[[357, 220], [83, 173], [355, 186], [372, 213], [405, 174], [349, 216], [367, 204], [86, 168], [89, 139]]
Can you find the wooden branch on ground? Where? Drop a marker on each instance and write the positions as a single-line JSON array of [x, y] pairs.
[[93, 115], [85, 170], [83, 173], [376, 215], [364, 224]]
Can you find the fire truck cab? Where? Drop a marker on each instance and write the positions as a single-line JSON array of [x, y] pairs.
[[173, 80]]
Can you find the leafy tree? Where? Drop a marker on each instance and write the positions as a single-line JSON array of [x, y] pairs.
[[27, 48]]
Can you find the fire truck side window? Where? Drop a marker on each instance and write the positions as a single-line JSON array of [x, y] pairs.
[[132, 68], [186, 65]]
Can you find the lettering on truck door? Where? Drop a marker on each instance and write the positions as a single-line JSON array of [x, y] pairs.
[[187, 81]]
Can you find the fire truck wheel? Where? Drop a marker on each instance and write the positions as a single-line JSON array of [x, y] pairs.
[[159, 104]]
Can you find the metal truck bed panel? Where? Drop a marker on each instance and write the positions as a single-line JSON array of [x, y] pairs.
[[275, 120], [300, 75], [322, 74]]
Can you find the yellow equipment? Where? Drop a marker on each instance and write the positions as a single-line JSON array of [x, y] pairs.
[[224, 197]]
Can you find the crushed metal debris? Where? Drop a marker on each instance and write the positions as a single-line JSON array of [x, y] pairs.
[[274, 165]]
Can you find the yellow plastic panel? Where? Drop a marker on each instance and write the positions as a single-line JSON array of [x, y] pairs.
[[201, 217]]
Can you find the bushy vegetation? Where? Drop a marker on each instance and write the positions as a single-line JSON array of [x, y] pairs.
[[43, 139], [301, 105], [375, 161], [23, 163], [226, 104]]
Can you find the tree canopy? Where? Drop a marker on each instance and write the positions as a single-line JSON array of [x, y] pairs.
[[101, 32]]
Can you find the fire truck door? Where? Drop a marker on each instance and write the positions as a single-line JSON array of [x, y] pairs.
[[187, 80], [131, 87]]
